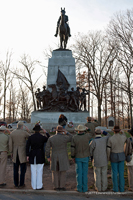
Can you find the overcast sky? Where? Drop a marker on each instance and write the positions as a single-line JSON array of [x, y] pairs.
[[28, 26]]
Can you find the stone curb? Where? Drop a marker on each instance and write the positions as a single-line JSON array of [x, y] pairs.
[[64, 192]]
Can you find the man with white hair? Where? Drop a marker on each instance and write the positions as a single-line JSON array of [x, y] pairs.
[[4, 140], [98, 149], [17, 146]]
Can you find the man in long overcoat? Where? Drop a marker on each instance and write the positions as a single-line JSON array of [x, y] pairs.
[[17, 146], [59, 158], [4, 141]]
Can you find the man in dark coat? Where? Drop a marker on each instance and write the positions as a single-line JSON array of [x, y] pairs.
[[35, 156]]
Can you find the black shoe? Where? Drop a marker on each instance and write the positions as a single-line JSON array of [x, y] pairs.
[[55, 35], [57, 189], [69, 35], [63, 189], [3, 184]]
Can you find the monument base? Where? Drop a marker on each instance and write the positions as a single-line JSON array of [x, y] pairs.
[[50, 119]]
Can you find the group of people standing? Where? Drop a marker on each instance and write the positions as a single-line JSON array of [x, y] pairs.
[[88, 143]]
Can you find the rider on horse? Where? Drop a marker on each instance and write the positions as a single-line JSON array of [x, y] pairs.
[[58, 23]]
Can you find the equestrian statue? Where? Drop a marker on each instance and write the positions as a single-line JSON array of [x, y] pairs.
[[63, 29]]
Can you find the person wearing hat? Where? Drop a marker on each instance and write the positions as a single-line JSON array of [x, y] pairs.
[[116, 154], [92, 124], [80, 153], [59, 158], [17, 146], [35, 156], [130, 164], [4, 141], [98, 149]]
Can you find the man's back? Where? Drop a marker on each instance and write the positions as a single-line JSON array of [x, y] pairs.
[[17, 144], [98, 149], [80, 145], [3, 142]]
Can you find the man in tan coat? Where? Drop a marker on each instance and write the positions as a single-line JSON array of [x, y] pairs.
[[17, 146], [59, 159], [4, 140]]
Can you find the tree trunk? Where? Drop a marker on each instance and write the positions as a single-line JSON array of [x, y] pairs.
[[105, 107], [99, 110]]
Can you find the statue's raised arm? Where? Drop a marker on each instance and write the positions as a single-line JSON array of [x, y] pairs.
[[63, 29]]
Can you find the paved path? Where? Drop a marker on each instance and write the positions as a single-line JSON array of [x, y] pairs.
[[6, 194]]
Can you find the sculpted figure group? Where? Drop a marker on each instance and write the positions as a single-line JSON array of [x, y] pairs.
[[61, 99]]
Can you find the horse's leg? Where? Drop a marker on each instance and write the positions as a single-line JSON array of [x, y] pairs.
[[61, 42], [66, 38], [64, 44]]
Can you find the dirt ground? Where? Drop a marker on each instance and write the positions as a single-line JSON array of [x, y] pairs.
[[47, 177]]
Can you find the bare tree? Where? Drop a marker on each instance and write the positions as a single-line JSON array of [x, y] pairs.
[[95, 52], [120, 30], [26, 104], [26, 75], [6, 78]]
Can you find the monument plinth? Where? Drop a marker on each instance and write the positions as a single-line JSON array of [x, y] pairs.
[[62, 60]]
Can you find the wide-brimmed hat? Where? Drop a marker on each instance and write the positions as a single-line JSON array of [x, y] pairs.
[[116, 128], [37, 128], [131, 131], [80, 128], [60, 128], [3, 128], [98, 131]]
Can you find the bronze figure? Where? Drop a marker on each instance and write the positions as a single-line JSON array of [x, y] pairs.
[[63, 29], [60, 99]]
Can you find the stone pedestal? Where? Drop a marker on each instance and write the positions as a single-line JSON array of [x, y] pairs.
[[50, 119], [62, 60]]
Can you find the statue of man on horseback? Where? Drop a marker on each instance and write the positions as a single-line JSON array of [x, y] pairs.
[[63, 29], [58, 23]]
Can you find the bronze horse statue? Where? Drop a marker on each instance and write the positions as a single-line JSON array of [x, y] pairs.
[[63, 32]]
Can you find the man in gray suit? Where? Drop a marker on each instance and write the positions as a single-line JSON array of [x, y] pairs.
[[98, 149]]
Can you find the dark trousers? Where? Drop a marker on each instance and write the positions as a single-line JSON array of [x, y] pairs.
[[22, 172]]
